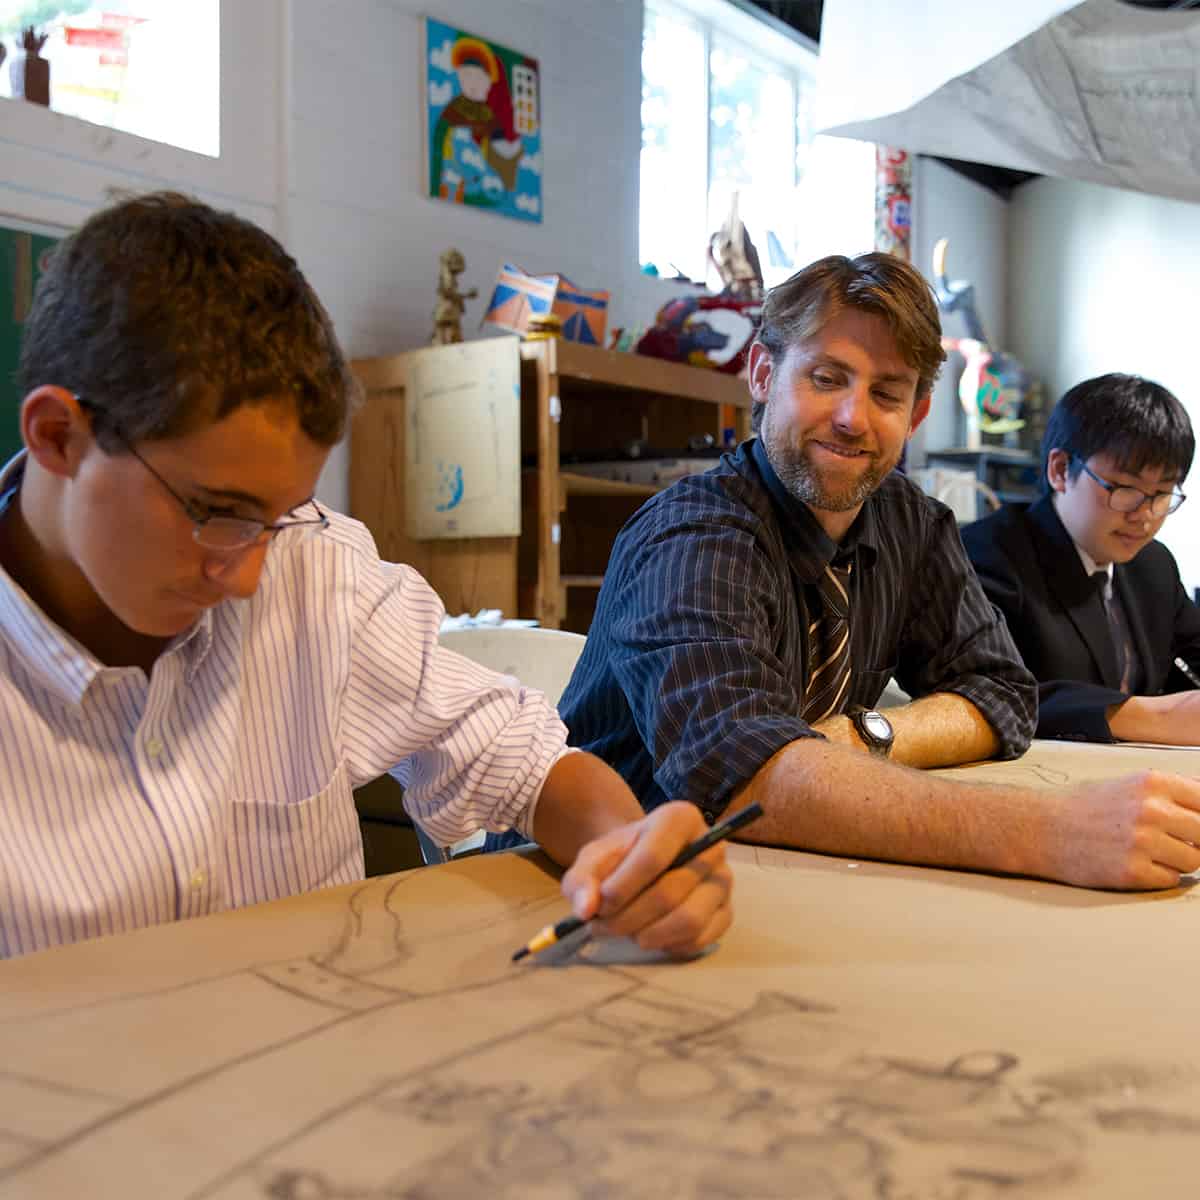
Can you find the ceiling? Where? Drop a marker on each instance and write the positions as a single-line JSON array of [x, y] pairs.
[[805, 15]]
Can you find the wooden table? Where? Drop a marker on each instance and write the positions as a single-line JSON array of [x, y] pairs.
[[865, 1031]]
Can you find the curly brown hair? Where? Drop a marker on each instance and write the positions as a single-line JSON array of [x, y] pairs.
[[169, 315]]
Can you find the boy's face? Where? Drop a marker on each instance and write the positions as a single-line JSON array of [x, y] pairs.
[[1083, 506], [134, 541]]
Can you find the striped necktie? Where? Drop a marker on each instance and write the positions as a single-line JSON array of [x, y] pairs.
[[829, 647]]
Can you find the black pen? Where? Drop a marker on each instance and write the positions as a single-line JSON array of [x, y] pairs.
[[1192, 677], [718, 833]]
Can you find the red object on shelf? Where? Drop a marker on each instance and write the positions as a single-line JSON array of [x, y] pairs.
[[95, 39]]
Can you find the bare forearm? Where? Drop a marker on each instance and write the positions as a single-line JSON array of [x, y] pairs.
[[582, 799], [942, 730], [1172, 720], [830, 798]]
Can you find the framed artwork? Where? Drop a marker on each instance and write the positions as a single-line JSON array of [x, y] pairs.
[[484, 123]]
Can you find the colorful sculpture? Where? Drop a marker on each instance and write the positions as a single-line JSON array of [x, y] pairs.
[[994, 385], [706, 331]]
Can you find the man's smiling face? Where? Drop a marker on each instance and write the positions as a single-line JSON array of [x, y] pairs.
[[839, 408]]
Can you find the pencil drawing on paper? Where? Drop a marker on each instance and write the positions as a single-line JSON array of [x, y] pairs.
[[433, 1071]]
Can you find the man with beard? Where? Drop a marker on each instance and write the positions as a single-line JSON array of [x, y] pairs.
[[1094, 602], [751, 616]]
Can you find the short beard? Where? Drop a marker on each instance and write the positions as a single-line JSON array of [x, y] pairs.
[[806, 485]]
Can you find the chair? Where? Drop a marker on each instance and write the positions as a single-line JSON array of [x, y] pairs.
[[539, 658]]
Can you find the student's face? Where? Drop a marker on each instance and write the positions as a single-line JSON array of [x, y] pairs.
[[1108, 536], [840, 407], [133, 540]]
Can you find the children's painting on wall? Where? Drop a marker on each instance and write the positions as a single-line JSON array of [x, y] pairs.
[[485, 139]]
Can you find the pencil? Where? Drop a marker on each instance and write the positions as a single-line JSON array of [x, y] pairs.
[[718, 833], [1191, 675]]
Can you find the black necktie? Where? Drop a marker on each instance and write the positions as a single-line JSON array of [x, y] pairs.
[[829, 647]]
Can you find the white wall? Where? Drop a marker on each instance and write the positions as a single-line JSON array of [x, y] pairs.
[[1106, 280], [357, 217], [946, 204], [322, 143]]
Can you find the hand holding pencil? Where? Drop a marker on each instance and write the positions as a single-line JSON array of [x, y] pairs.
[[662, 881]]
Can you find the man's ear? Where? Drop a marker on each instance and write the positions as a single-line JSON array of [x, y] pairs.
[[759, 371], [56, 431], [1058, 463], [920, 410]]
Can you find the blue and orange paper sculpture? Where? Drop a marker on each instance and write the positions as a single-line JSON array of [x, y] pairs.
[[519, 296]]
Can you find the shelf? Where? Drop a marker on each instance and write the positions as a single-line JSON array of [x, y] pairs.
[[637, 372], [593, 485], [582, 581]]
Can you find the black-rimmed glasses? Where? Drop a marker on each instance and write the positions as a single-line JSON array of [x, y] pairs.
[[1125, 499], [216, 532]]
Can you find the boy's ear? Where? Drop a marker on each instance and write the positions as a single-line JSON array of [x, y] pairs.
[[1057, 464], [55, 430]]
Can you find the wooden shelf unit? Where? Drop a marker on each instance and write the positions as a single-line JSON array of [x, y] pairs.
[[575, 400], [588, 400]]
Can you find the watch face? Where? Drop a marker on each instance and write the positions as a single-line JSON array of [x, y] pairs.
[[877, 725]]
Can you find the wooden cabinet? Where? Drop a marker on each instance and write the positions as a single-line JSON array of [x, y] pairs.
[[576, 401]]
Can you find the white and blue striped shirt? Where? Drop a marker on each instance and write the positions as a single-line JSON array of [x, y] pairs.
[[225, 778]]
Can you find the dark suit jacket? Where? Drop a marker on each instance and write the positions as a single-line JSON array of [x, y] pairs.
[[1031, 571]]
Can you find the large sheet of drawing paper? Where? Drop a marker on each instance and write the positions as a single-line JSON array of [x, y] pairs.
[[1102, 91], [865, 1031]]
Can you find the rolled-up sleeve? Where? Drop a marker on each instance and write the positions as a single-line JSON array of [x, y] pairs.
[[956, 641], [471, 747], [693, 642]]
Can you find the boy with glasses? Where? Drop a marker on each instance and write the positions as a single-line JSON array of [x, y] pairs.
[[1093, 601], [198, 664]]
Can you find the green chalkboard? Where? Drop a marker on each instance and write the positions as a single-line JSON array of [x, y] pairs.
[[22, 257]]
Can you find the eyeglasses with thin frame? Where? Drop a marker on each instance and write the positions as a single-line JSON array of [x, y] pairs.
[[1125, 499], [215, 532]]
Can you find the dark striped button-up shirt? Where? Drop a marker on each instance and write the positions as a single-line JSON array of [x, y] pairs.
[[694, 670]]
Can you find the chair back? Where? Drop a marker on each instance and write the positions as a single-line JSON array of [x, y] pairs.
[[539, 658]]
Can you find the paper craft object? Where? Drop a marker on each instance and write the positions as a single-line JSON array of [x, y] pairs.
[[519, 296]]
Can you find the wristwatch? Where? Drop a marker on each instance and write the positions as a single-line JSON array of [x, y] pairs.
[[874, 729]]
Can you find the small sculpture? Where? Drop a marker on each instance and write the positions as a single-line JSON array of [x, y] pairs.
[[735, 258], [994, 385], [448, 311], [29, 73]]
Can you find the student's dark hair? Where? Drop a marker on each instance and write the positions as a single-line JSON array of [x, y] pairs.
[[1136, 422], [874, 283], [167, 315]]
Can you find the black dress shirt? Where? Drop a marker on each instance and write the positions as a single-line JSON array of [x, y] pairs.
[[694, 670]]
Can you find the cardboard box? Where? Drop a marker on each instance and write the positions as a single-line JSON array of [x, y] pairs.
[[518, 296]]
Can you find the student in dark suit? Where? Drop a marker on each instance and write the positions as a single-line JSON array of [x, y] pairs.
[[1093, 601]]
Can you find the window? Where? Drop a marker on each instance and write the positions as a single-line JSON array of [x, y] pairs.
[[148, 67], [727, 109]]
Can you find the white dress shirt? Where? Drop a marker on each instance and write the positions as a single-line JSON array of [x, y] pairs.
[[225, 778]]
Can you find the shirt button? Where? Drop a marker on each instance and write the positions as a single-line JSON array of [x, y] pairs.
[[198, 880], [154, 748]]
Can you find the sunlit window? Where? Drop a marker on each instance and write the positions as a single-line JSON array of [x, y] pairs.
[[727, 106], [147, 67]]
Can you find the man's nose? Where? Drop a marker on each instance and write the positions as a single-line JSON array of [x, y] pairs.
[[236, 572], [850, 411]]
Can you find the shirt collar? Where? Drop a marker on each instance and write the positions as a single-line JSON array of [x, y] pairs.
[[62, 665], [810, 548]]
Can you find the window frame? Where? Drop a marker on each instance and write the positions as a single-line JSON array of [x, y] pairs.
[[756, 35]]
